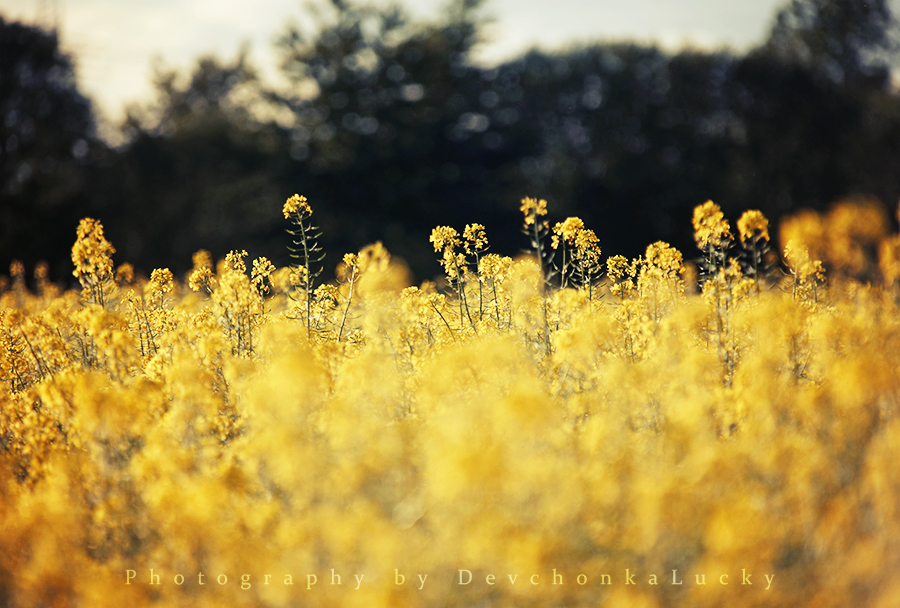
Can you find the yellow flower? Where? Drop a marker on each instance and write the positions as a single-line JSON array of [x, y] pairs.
[[621, 272], [348, 267], [587, 243], [568, 230], [327, 295], [161, 281], [201, 275], [296, 204], [374, 256], [476, 240], [618, 267], [664, 257], [799, 260], [454, 264], [199, 279], [41, 270], [444, 238], [710, 226], [532, 208], [753, 223], [494, 266], [125, 274], [91, 252], [235, 261], [262, 270]]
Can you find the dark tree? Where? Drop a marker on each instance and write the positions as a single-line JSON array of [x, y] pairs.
[[201, 170], [47, 140], [631, 138], [843, 40], [396, 132], [821, 116]]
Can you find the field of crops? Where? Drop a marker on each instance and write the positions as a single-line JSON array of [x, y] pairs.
[[570, 428]]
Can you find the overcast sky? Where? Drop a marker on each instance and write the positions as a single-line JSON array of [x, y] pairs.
[[115, 41]]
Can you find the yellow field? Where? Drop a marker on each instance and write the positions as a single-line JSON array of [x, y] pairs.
[[611, 436]]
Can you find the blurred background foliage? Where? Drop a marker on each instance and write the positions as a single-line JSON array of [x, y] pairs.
[[390, 129]]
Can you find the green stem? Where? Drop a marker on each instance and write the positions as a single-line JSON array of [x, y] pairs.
[[349, 300]]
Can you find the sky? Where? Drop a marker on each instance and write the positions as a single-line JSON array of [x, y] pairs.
[[115, 42]]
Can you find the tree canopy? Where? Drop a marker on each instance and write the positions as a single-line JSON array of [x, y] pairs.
[[47, 139]]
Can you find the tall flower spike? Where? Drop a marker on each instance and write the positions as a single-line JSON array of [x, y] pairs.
[[305, 252], [91, 252], [92, 257]]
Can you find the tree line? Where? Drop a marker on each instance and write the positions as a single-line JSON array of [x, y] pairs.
[[389, 128]]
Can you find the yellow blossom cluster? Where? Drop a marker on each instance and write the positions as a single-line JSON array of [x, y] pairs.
[[533, 208], [296, 204], [753, 224], [92, 258], [710, 226], [475, 239], [444, 238]]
